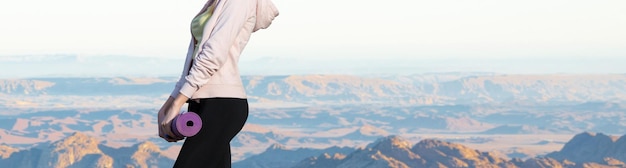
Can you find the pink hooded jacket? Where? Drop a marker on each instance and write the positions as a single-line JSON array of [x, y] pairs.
[[213, 71]]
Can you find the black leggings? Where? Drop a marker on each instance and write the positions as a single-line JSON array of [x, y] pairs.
[[222, 119]]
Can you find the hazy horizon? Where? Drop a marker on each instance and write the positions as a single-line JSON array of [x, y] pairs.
[[69, 65], [561, 36]]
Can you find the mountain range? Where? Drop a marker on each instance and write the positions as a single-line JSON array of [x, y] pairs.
[[79, 150], [525, 116], [584, 150], [423, 89]]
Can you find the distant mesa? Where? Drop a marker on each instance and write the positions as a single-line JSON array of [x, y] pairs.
[[520, 153], [474, 140], [515, 129], [276, 146], [370, 130], [594, 91], [546, 142], [24, 87], [277, 155], [366, 132]]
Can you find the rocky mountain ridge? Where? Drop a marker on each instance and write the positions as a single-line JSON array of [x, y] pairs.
[[80, 150], [593, 147], [6, 151], [278, 155], [396, 152]]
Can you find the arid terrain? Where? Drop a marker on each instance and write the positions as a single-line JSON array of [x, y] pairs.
[[526, 117]]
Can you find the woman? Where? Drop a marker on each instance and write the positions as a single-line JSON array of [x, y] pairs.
[[210, 80]]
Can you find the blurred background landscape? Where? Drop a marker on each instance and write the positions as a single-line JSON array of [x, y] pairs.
[[330, 84], [475, 118]]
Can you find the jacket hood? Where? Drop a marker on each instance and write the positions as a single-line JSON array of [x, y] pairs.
[[265, 13]]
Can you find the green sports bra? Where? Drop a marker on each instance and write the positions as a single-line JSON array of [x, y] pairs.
[[197, 25]]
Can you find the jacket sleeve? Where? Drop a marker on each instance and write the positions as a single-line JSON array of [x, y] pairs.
[[214, 52]]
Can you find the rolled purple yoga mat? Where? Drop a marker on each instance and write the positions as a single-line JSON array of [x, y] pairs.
[[186, 124]]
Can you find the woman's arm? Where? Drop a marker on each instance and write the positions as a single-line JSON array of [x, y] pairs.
[[165, 117]]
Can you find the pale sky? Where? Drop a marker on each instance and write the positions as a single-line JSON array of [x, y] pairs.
[[327, 29]]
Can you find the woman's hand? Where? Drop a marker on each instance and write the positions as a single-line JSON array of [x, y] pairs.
[[166, 115]]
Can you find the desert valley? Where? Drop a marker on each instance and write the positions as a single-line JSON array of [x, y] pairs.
[[423, 120]]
